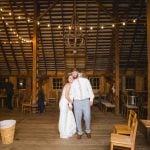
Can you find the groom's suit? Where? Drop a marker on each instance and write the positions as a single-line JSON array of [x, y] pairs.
[[81, 93]]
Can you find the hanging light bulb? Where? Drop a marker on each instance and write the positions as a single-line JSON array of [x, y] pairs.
[[123, 23], [102, 27], [134, 20], [91, 28], [113, 25]]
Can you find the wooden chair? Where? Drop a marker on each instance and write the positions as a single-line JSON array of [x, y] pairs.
[[130, 104], [125, 128], [27, 106], [118, 140]]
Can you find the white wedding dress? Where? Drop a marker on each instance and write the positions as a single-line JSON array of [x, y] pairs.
[[67, 125]]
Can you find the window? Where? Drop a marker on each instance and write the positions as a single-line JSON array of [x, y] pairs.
[[57, 83], [94, 82], [21, 83], [130, 82], [2, 82]]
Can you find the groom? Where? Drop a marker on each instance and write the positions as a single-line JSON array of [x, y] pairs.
[[82, 96]]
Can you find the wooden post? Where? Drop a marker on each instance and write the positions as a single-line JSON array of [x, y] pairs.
[[116, 58], [148, 65], [148, 54], [34, 65], [117, 68]]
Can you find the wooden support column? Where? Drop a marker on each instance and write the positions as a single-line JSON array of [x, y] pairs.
[[117, 51], [116, 60], [148, 54], [34, 65]]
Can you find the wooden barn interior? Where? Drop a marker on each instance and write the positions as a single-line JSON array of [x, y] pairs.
[[41, 41]]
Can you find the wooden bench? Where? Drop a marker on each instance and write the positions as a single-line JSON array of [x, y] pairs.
[[125, 128], [108, 105], [118, 140]]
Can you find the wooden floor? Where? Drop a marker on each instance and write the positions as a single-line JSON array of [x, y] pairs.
[[40, 132]]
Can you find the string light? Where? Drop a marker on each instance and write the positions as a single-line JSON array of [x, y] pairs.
[[123, 23], [113, 25], [58, 26], [12, 30], [102, 27], [28, 20], [91, 28], [134, 20]]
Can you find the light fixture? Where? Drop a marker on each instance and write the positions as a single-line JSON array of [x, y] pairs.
[[73, 35]]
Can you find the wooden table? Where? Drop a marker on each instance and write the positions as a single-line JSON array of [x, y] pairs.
[[146, 124]]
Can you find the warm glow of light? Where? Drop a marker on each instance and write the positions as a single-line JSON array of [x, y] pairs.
[[123, 23], [91, 28], [134, 20], [1, 9], [19, 17], [38, 23], [59, 27], [48, 25], [80, 28], [102, 27], [9, 13], [113, 25], [28, 20]]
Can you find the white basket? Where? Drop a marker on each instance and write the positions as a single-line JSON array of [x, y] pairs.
[[7, 123], [7, 128]]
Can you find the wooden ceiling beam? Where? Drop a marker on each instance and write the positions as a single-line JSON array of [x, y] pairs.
[[48, 9], [43, 52], [5, 58], [63, 28], [20, 44], [22, 9], [53, 45], [97, 36], [131, 6], [139, 61], [86, 36], [11, 47], [133, 39]]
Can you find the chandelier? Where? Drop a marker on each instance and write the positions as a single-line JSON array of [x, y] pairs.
[[73, 36]]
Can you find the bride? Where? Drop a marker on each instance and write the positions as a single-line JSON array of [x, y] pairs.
[[67, 125]]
